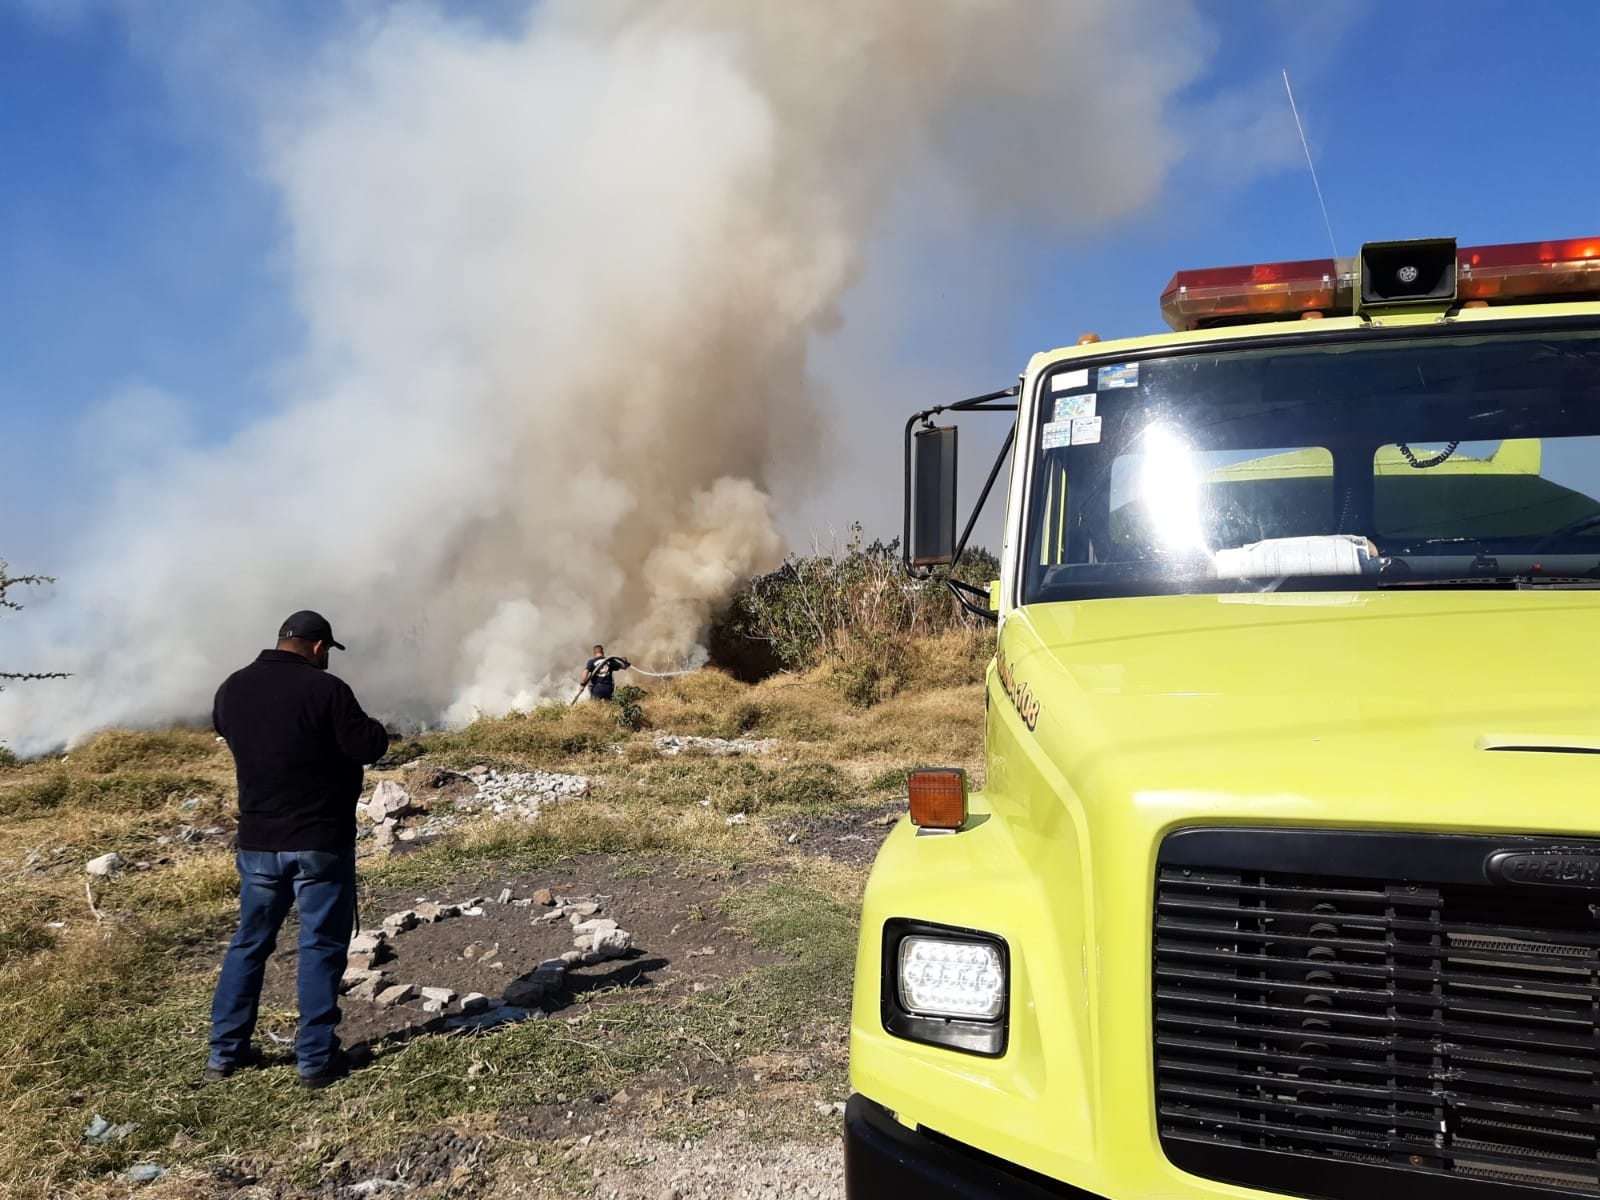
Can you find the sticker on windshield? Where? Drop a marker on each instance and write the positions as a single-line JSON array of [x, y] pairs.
[[1085, 431], [1123, 375], [1057, 434], [1067, 380], [1071, 408]]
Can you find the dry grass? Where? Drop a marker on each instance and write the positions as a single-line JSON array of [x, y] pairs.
[[109, 1015]]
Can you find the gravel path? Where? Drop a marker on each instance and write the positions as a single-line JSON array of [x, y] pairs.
[[722, 1166]]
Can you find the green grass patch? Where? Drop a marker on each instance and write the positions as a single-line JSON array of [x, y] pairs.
[[888, 781], [121, 749], [128, 791], [743, 785], [24, 925]]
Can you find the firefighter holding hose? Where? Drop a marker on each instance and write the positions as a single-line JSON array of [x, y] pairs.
[[599, 675]]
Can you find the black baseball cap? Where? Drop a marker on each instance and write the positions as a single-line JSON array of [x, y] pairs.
[[309, 626]]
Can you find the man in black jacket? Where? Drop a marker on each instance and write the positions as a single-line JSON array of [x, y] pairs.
[[299, 741]]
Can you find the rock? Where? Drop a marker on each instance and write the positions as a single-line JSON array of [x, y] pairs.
[[428, 776], [594, 925], [524, 993], [407, 835], [614, 944], [398, 994], [472, 910], [505, 896], [384, 834], [572, 956], [399, 922], [552, 972], [101, 1132], [442, 995], [587, 908], [143, 1173], [525, 902], [368, 941], [477, 772], [474, 1002], [367, 990], [376, 1187], [427, 913], [105, 865], [432, 1006], [545, 897], [354, 976], [388, 799]]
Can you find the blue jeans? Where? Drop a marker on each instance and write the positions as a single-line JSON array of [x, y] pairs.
[[323, 887]]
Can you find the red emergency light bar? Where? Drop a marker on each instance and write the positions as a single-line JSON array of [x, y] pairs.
[[1551, 269], [1568, 269], [1265, 290]]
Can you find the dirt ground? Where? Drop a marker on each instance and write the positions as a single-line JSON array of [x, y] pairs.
[[673, 910], [684, 942]]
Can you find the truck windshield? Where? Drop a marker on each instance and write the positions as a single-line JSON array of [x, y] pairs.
[[1452, 460]]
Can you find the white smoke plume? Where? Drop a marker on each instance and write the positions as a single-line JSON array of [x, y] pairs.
[[560, 284]]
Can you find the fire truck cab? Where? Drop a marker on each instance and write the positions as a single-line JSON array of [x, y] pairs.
[[1284, 877]]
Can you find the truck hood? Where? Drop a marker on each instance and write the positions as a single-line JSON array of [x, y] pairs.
[[1394, 674]]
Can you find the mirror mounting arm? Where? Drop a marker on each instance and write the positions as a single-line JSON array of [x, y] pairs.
[[1004, 400]]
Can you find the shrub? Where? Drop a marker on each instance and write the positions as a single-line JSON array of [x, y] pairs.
[[855, 606], [630, 715], [739, 718], [860, 680]]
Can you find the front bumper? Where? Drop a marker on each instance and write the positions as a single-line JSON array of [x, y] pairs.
[[882, 1158]]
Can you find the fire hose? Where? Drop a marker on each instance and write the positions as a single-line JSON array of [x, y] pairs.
[[627, 666]]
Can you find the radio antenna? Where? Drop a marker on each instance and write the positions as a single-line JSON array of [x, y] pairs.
[[1323, 204]]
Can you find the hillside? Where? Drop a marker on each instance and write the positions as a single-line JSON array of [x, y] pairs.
[[701, 1054]]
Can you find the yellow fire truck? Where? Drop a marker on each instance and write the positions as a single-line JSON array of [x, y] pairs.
[[1284, 875]]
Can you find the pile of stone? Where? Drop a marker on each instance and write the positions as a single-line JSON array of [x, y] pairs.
[[672, 744], [520, 793], [595, 939], [398, 815], [388, 803]]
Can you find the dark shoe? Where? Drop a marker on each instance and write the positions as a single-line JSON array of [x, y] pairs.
[[337, 1068], [217, 1072]]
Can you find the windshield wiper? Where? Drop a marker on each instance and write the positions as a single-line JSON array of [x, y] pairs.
[[1506, 582], [1570, 529]]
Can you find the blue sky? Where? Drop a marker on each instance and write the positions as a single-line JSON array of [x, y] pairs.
[[142, 249]]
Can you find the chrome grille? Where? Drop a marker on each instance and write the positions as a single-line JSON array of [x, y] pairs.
[[1318, 1032]]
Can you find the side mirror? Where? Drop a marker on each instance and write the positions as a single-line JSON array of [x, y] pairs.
[[933, 497]]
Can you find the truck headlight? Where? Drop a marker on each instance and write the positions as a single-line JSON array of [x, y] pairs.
[[945, 985], [946, 977]]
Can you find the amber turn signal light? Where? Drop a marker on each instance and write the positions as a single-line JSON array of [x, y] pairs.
[[938, 797]]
